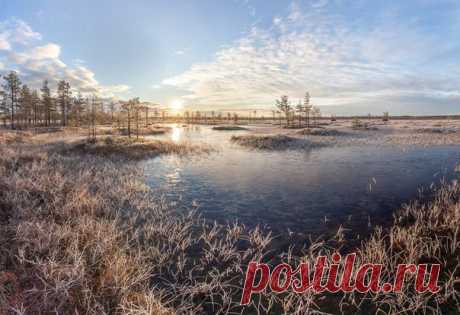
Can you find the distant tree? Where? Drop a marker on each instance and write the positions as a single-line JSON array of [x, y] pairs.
[[26, 104], [300, 110], [316, 113], [47, 102], [64, 96], [307, 108], [12, 88], [235, 118], [78, 108], [92, 113], [131, 108], [279, 117], [284, 107], [112, 111], [386, 116], [35, 102]]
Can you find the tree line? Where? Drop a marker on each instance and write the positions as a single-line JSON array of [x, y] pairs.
[[301, 112], [22, 106]]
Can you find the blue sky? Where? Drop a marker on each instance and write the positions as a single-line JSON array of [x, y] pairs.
[[353, 56]]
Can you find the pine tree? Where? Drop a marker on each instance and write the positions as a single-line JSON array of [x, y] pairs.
[[35, 102], [25, 104], [307, 107], [47, 102], [64, 97], [284, 106], [12, 88]]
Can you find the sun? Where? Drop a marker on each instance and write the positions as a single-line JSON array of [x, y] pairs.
[[176, 105]]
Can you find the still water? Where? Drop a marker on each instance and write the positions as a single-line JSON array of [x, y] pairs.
[[308, 192]]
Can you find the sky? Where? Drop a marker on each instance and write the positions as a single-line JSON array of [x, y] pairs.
[[352, 56]]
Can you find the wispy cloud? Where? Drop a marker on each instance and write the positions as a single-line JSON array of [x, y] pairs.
[[341, 63], [23, 50], [179, 52]]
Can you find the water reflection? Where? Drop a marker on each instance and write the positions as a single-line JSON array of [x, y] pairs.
[[357, 187], [176, 133]]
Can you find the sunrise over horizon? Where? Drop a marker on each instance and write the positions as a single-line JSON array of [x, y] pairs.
[[354, 57]]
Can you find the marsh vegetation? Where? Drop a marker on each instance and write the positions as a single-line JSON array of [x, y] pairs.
[[83, 233]]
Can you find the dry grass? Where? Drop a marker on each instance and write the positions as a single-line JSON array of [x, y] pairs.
[[131, 148], [13, 137], [83, 234], [422, 233], [146, 131], [322, 132], [275, 142], [228, 128]]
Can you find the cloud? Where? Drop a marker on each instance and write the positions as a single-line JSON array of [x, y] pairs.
[[4, 43], [24, 51], [338, 61], [48, 51], [16, 31], [179, 52]]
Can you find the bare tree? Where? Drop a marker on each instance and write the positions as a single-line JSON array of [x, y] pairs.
[[131, 109]]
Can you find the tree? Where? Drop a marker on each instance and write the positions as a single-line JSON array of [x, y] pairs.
[[78, 108], [63, 98], [25, 104], [386, 116], [47, 102], [316, 113], [299, 109], [92, 119], [35, 102], [112, 110], [3, 106], [307, 108], [284, 107], [131, 108], [12, 88]]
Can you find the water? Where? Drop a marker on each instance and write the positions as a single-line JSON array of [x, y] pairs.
[[306, 192]]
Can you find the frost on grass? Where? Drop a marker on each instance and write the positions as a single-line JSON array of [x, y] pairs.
[[131, 148], [275, 142], [82, 234], [322, 132], [228, 128]]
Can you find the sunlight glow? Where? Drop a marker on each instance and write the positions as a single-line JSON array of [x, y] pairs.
[[176, 105]]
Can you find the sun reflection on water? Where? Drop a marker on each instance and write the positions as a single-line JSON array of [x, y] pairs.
[[176, 134]]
